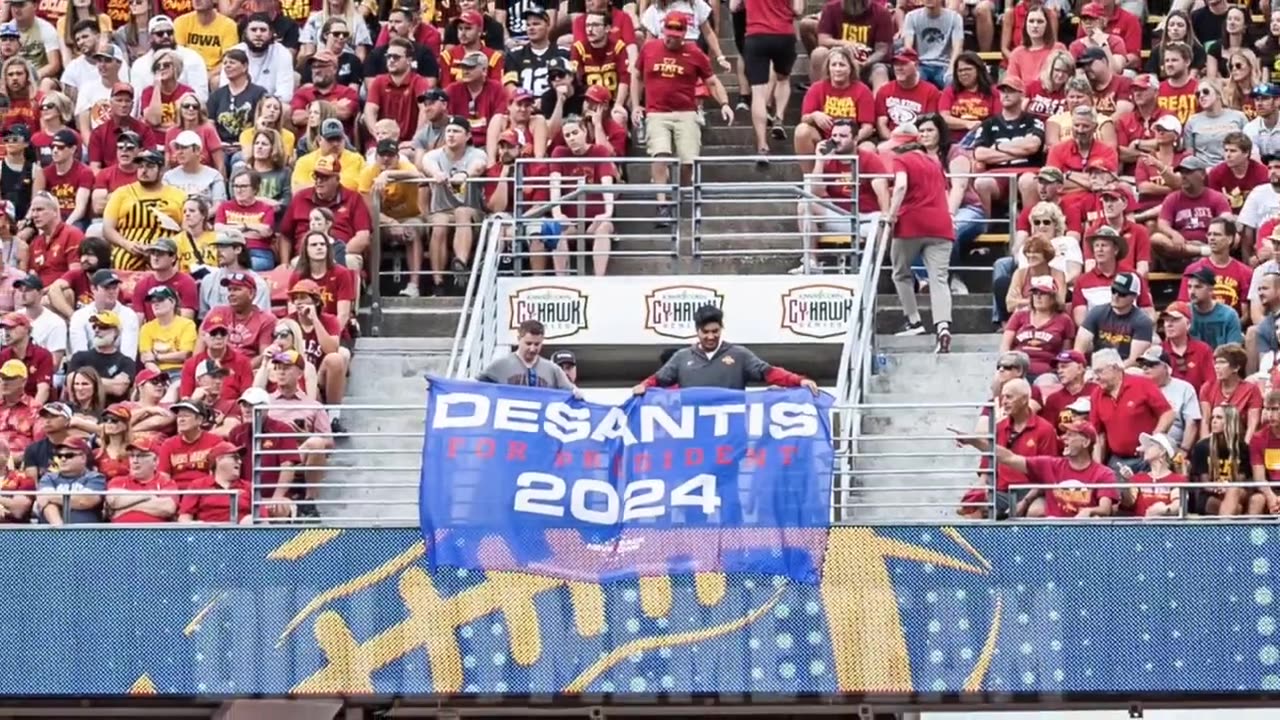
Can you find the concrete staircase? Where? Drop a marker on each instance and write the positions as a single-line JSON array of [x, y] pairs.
[[914, 439]]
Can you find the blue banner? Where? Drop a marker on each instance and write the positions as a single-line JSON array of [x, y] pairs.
[[697, 480]]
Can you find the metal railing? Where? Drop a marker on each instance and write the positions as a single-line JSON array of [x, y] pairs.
[[34, 516]]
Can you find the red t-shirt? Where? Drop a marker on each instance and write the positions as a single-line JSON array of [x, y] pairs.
[[1120, 88], [51, 256], [1123, 24], [869, 163], [336, 284], [905, 105], [1038, 438], [853, 102], [109, 466], [1054, 408], [1264, 452], [671, 78], [1236, 189], [217, 508], [23, 111], [307, 94], [620, 27], [1075, 494], [770, 17], [311, 343], [1067, 157], [39, 362], [1180, 101], [1042, 103], [1151, 491], [181, 284], [1135, 236], [1144, 173], [102, 140], [1132, 126], [249, 334], [873, 27], [593, 166], [242, 436], [350, 216], [65, 187], [600, 65], [168, 102], [1041, 344], [967, 104], [925, 213], [161, 483], [114, 177], [399, 102], [185, 462], [231, 212], [1190, 216], [450, 75], [1247, 396], [1134, 410], [1230, 285], [478, 109], [1194, 365], [239, 376]]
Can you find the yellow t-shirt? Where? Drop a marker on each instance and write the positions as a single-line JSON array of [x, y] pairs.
[[399, 200], [209, 41], [136, 213], [304, 172], [287, 138], [178, 335], [200, 252]]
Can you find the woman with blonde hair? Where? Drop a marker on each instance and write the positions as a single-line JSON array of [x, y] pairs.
[[192, 116], [1242, 76], [1236, 35], [1205, 131], [1221, 457], [349, 11], [1047, 94], [56, 113], [267, 159], [269, 114], [317, 112], [159, 103], [287, 336], [112, 454], [1079, 93]]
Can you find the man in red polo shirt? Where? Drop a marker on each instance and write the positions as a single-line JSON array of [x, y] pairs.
[[215, 337], [1074, 155], [324, 85], [1070, 366], [145, 495], [55, 249], [1117, 202], [39, 361], [1135, 131], [1120, 22], [1021, 431], [1124, 406], [223, 482], [103, 141], [395, 94], [905, 98], [1178, 90], [351, 222], [1189, 359], [249, 325], [185, 456]]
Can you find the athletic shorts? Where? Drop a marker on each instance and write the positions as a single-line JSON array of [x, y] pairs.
[[740, 29], [762, 52]]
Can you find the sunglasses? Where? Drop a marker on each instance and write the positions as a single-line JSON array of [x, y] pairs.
[[66, 455], [163, 33], [218, 333], [59, 146], [1007, 367], [164, 66], [1205, 92], [283, 334], [339, 34], [190, 106], [1045, 223]]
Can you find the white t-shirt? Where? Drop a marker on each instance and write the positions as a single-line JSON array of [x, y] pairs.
[[37, 41], [82, 332], [206, 181], [695, 14], [1066, 249], [1270, 266], [194, 74], [49, 331], [310, 32], [1261, 204]]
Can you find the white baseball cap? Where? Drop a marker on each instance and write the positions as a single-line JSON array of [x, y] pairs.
[[255, 396], [1146, 440], [187, 138], [159, 21]]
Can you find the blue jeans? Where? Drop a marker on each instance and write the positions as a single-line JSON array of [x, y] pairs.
[[261, 260], [939, 75], [1001, 275]]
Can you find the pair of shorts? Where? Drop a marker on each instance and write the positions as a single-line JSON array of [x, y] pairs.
[[760, 53], [674, 133]]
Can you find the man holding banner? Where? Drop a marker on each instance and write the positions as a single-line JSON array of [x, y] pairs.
[[711, 362], [526, 366]]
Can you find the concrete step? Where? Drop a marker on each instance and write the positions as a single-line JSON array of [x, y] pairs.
[[394, 377], [420, 317], [969, 313]]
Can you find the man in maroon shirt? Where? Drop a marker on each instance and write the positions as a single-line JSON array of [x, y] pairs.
[[1238, 173], [69, 179], [395, 94], [1189, 359], [103, 140], [1135, 131], [18, 346], [1185, 215], [1124, 406], [217, 347], [1021, 431], [352, 224], [591, 165], [1071, 367], [163, 256], [1111, 90], [250, 327], [477, 98], [324, 86]]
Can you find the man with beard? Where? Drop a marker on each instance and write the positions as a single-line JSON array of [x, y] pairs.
[[352, 224], [526, 65], [1112, 94], [435, 114], [39, 43], [270, 65], [85, 36], [1261, 204], [93, 94], [452, 70], [324, 86], [403, 23], [231, 106], [332, 146], [74, 287], [1178, 90], [1076, 154], [1185, 214], [1006, 143], [120, 173], [106, 306], [1264, 128], [114, 367], [864, 27], [194, 75], [601, 60], [334, 38], [140, 213]]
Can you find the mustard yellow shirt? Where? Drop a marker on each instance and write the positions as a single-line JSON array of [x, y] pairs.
[[209, 41], [287, 139], [399, 200], [304, 171], [178, 335], [199, 251]]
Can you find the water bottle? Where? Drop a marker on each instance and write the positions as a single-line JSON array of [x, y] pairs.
[[882, 362]]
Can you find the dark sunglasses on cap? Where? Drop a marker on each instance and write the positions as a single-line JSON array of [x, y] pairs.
[[66, 455], [216, 332]]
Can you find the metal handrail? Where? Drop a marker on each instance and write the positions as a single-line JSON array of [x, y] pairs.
[[477, 302]]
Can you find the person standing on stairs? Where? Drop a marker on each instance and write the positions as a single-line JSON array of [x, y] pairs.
[[770, 43], [920, 185]]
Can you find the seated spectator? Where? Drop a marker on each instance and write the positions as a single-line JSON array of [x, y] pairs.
[[1178, 90], [1038, 254], [326, 85], [144, 495], [83, 394], [233, 259], [150, 415], [470, 48], [105, 69], [38, 361], [191, 176], [111, 456], [405, 22], [233, 506], [1041, 330], [333, 149], [593, 166], [1228, 278], [1047, 93], [1264, 459], [323, 344], [53, 427], [221, 413], [53, 250], [119, 127], [232, 105], [455, 203], [287, 336], [1135, 131], [969, 98], [530, 129], [274, 478], [65, 497], [352, 224], [1117, 199], [269, 115], [1029, 51], [253, 218], [337, 283], [932, 32], [1096, 42], [908, 96], [1120, 325], [1153, 492], [1222, 458], [1185, 215], [268, 62], [48, 330], [1155, 172], [1238, 173], [1008, 141], [1074, 155], [1093, 288], [1228, 387], [1109, 89], [106, 299], [396, 202], [68, 179], [249, 325], [343, 39], [601, 127], [1125, 406], [829, 180], [1262, 129], [565, 95], [192, 118], [164, 273], [119, 174], [168, 339], [159, 101], [14, 508], [17, 408], [1192, 359], [1023, 432], [1070, 368], [1158, 368], [435, 112], [841, 96], [601, 61], [216, 348], [1049, 190], [268, 160], [115, 368], [1205, 131], [289, 404], [185, 456], [1080, 94], [394, 95], [208, 32], [1261, 211], [142, 212]]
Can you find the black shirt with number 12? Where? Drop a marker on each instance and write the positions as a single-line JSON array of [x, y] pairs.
[[527, 68]]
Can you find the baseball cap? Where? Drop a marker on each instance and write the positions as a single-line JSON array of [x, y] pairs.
[[163, 245], [66, 137], [13, 369], [161, 292], [159, 22], [906, 55], [120, 410], [473, 59], [305, 286], [1081, 405], [675, 25], [1091, 10], [521, 95], [209, 366], [144, 443], [1106, 232], [1154, 355], [288, 357], [331, 129], [509, 137], [238, 279], [228, 238], [1146, 81], [536, 11], [1088, 56], [327, 166], [1178, 309], [255, 396], [564, 357], [105, 318], [598, 94], [1169, 123], [19, 130], [1146, 440], [459, 121], [557, 65], [1011, 82], [1050, 175], [434, 95], [1268, 90], [388, 147], [215, 321], [472, 18], [189, 405], [9, 29], [1201, 274], [75, 444], [30, 282], [1043, 284], [59, 409], [1126, 284], [150, 157], [1067, 356], [1191, 163], [1083, 427], [1119, 190], [15, 319], [221, 449], [122, 87], [147, 375], [105, 276], [903, 134], [187, 138]]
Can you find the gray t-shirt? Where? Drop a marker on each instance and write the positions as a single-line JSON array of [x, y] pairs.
[[1186, 407], [212, 293], [933, 36], [445, 197], [1115, 331], [90, 481], [511, 370], [1202, 136], [429, 137], [730, 366], [206, 181]]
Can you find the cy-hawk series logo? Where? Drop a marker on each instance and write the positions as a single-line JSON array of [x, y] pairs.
[[669, 311], [817, 311], [561, 310]]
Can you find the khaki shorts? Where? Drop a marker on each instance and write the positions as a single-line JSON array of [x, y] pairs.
[[674, 133]]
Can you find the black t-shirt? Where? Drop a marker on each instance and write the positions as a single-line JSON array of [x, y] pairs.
[[515, 15], [527, 68], [996, 128], [572, 104], [424, 62], [107, 365], [1200, 462], [1207, 25], [350, 70], [38, 455], [15, 185], [233, 114], [492, 33]]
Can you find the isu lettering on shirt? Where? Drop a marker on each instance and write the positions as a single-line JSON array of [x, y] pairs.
[[1236, 189], [65, 187], [1041, 343], [599, 66], [905, 105], [1074, 492], [52, 255], [1264, 452], [872, 27], [1230, 283], [1043, 103], [1120, 88], [1150, 491], [852, 102], [967, 104], [311, 341], [1135, 237], [1190, 216], [1181, 101], [671, 77], [258, 212], [590, 168]]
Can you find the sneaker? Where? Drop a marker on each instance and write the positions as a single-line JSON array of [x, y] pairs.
[[776, 131], [338, 428], [911, 328], [437, 289], [308, 509], [666, 217], [744, 105], [410, 291], [801, 269], [459, 270], [762, 159], [943, 346], [958, 287]]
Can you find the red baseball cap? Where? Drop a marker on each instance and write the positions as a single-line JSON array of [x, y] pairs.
[[147, 375], [1067, 356], [79, 444], [222, 448], [146, 443], [1013, 83], [1083, 427], [675, 25], [1091, 10], [216, 320], [472, 18], [120, 410], [1178, 309], [1120, 190], [906, 55], [236, 279], [599, 94], [15, 319], [1146, 81], [522, 95], [122, 87], [509, 137]]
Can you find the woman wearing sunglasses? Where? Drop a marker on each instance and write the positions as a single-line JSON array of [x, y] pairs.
[[160, 100], [1236, 35], [1242, 77], [287, 336], [192, 116], [55, 115], [1205, 131], [112, 457]]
